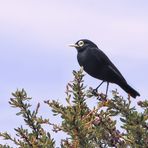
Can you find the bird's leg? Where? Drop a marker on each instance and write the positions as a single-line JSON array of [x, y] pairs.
[[103, 97], [107, 89], [99, 85], [96, 89]]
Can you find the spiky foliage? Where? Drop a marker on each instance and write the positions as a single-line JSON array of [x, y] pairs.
[[85, 128], [34, 135]]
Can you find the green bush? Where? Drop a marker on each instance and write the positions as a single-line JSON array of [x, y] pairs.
[[85, 127]]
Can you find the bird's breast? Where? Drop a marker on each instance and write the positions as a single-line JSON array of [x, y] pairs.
[[90, 64]]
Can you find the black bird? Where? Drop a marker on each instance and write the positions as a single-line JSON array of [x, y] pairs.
[[98, 65]]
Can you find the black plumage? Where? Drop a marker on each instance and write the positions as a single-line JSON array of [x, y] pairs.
[[99, 66]]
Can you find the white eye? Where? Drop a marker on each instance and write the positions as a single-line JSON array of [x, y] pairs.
[[80, 43]]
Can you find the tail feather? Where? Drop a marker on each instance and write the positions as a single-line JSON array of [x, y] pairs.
[[129, 90]]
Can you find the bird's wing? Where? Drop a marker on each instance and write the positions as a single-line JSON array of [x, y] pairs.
[[101, 57]]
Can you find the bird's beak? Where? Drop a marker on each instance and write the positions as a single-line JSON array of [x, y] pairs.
[[73, 45]]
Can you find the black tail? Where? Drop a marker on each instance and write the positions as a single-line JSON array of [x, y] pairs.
[[129, 90]]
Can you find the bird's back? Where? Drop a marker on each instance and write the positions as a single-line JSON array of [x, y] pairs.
[[98, 65]]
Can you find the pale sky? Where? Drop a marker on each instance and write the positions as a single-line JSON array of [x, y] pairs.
[[34, 38]]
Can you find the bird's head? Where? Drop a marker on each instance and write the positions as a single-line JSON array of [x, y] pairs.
[[83, 44]]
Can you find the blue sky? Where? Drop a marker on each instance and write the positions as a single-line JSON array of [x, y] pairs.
[[34, 52]]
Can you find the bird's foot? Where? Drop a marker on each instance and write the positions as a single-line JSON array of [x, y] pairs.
[[92, 92], [102, 97], [95, 92]]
